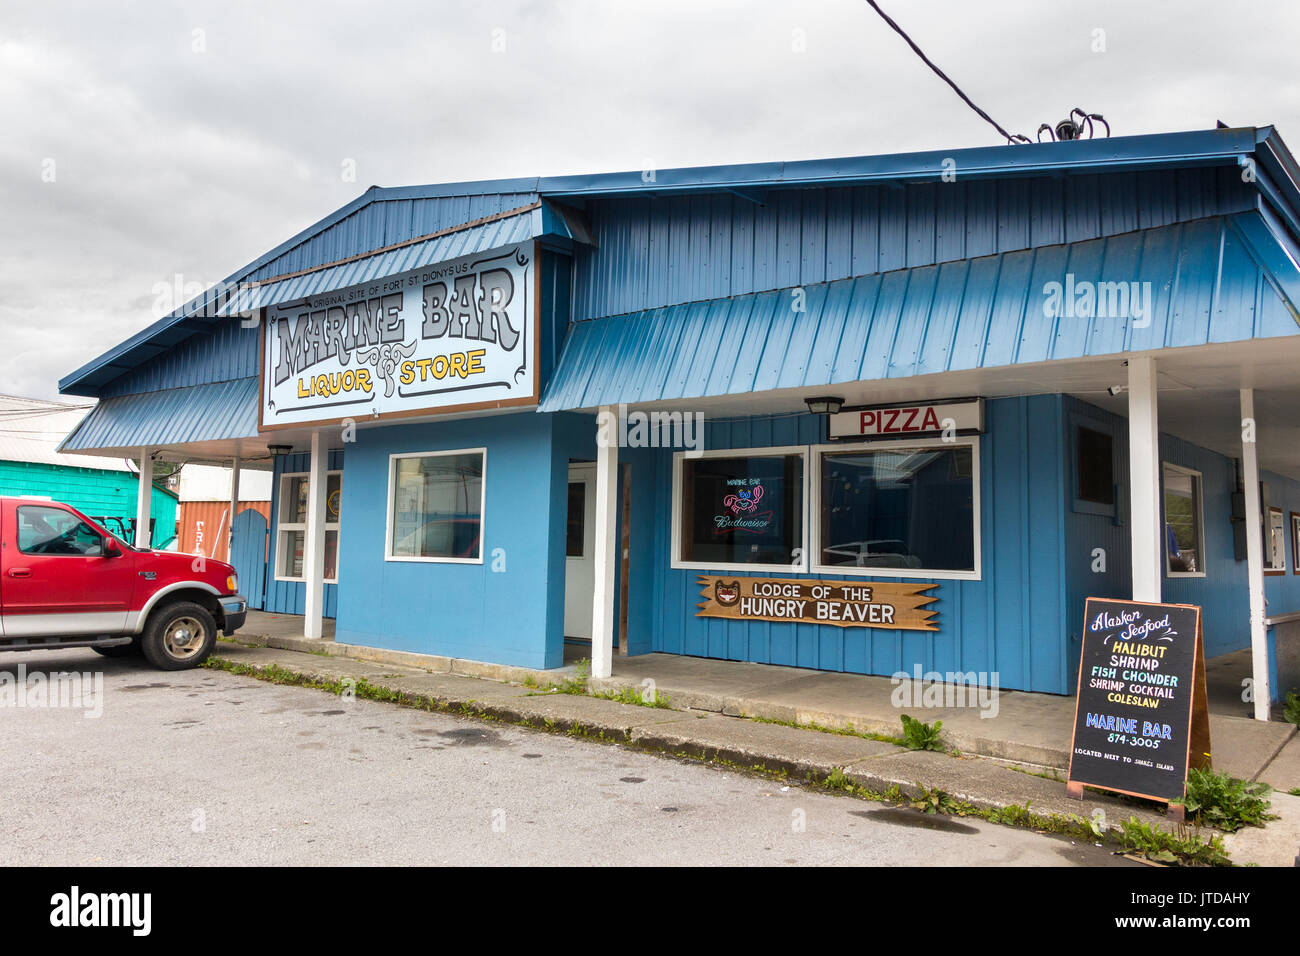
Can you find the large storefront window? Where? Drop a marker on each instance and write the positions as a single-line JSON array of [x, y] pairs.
[[908, 510], [435, 507], [291, 546], [743, 510]]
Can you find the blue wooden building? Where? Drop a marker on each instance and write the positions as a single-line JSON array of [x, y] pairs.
[[598, 408]]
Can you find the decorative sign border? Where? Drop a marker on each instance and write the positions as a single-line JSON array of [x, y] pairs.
[[383, 364], [1126, 748], [893, 605], [903, 420]]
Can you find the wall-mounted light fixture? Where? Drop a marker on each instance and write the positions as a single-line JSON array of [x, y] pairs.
[[279, 451], [824, 405]]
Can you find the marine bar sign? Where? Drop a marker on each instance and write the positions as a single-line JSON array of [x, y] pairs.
[[914, 420], [887, 604], [456, 336]]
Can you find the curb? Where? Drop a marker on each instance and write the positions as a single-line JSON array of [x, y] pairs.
[[773, 749]]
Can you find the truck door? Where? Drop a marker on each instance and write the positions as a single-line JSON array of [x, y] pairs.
[[60, 575]]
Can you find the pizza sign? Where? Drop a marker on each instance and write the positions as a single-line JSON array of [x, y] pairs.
[[916, 420]]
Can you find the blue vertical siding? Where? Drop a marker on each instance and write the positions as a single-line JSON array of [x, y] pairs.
[[228, 351], [510, 608], [654, 252], [1222, 592], [1009, 621]]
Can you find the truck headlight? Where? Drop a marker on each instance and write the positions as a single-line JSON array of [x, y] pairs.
[[232, 583]]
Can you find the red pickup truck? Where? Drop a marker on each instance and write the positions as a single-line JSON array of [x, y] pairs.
[[66, 582]]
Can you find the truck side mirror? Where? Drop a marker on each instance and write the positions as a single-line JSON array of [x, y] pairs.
[[111, 550]]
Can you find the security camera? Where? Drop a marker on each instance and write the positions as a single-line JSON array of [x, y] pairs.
[[1116, 389]]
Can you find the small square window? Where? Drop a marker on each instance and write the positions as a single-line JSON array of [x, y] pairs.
[[436, 507]]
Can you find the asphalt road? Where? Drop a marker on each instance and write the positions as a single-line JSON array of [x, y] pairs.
[[205, 767]]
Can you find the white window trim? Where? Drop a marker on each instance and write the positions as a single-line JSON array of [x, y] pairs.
[[801, 567], [302, 526], [1200, 521], [482, 508], [816, 452]]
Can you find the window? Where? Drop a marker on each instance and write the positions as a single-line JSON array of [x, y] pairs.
[[55, 531], [576, 531], [291, 548], [1295, 543], [1184, 539], [1095, 468], [909, 510], [1276, 531], [740, 510], [435, 506]]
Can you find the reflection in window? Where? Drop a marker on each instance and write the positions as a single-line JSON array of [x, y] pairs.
[[291, 536], [907, 508], [55, 531], [1183, 540], [437, 506]]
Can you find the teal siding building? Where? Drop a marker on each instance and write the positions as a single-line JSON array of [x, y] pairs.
[[30, 431]]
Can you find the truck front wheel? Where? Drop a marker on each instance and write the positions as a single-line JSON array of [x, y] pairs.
[[179, 636]]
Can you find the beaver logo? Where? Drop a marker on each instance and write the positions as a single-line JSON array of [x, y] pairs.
[[726, 594]]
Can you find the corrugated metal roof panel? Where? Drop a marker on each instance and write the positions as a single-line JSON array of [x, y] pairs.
[[169, 417], [378, 218], [463, 242], [1203, 276]]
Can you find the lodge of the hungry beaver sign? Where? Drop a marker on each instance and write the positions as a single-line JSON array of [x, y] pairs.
[[887, 604], [1140, 712], [454, 336]]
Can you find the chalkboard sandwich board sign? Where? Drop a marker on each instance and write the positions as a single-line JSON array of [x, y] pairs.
[[1141, 716]]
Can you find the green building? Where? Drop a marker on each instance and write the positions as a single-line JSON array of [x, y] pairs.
[[103, 488]]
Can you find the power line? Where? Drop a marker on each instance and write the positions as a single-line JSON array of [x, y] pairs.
[[1018, 138]]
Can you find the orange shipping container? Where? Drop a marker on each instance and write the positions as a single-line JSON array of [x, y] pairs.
[[203, 526]]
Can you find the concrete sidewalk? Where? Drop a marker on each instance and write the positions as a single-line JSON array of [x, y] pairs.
[[774, 748], [1028, 728]]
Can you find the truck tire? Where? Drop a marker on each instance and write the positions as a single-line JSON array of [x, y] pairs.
[[179, 636], [119, 650]]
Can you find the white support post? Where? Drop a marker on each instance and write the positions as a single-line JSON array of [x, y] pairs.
[[144, 500], [234, 507], [1255, 556], [603, 597], [313, 570], [1144, 480]]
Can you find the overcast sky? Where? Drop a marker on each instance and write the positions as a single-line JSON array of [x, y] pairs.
[[144, 141]]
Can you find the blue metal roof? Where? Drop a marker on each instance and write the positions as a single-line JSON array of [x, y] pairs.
[[222, 410], [381, 217], [377, 219], [461, 242], [1205, 278]]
